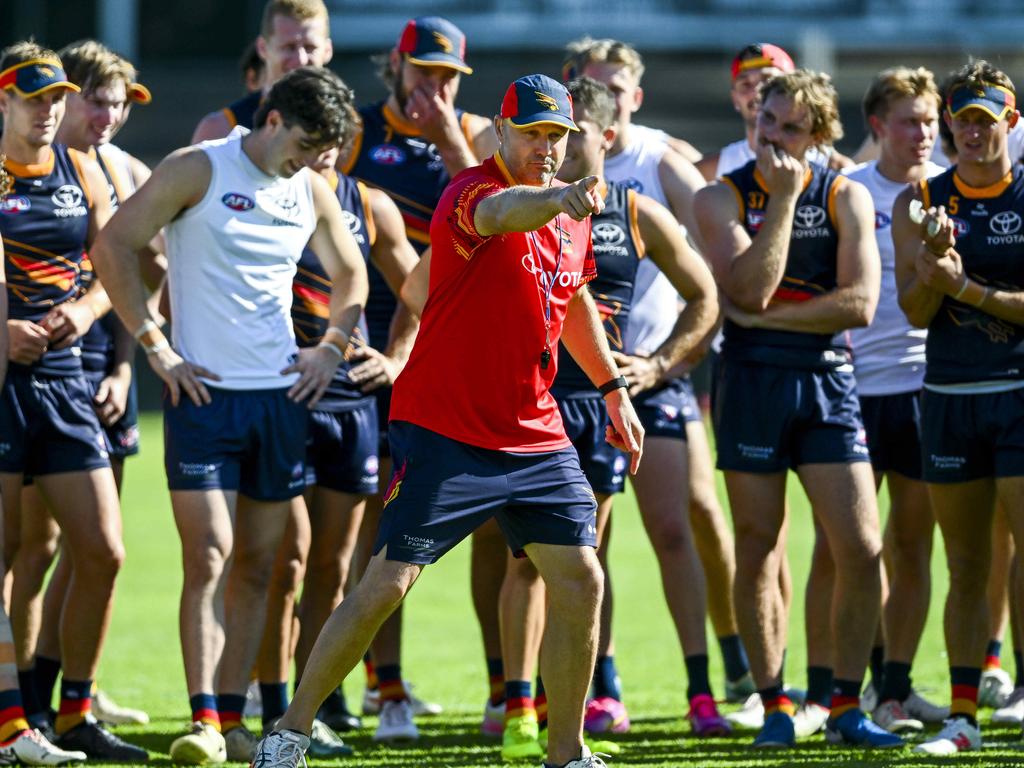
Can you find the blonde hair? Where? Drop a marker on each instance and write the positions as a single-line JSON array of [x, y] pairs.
[[300, 10], [815, 91], [976, 74], [24, 50], [896, 83], [587, 50], [90, 64]]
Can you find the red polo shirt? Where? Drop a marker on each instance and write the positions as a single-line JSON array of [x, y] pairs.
[[474, 374]]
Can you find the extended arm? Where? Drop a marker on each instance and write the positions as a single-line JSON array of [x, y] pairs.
[[525, 209]]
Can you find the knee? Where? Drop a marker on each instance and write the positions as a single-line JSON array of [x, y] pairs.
[[670, 538], [580, 581], [755, 545], [287, 574], [968, 572], [204, 565]]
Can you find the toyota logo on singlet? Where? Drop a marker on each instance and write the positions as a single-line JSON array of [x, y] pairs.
[[608, 234], [68, 196], [809, 216], [1005, 223]]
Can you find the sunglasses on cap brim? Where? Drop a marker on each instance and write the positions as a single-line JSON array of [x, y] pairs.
[[994, 100], [31, 78]]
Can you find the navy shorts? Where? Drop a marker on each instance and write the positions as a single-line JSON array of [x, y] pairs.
[[585, 418], [341, 449], [48, 425], [970, 437], [666, 410], [123, 435], [893, 425], [383, 398], [770, 419], [442, 490], [251, 441]]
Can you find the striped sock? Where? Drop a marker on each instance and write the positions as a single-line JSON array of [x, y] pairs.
[[697, 675], [965, 682], [819, 686], [992, 653], [372, 681], [391, 687], [204, 709], [775, 700], [540, 701], [496, 675], [75, 704], [229, 707], [518, 702], [275, 701], [734, 657], [845, 696], [12, 715]]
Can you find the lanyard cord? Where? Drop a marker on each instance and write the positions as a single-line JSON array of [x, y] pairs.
[[545, 355]]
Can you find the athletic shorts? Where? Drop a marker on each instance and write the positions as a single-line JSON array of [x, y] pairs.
[[893, 426], [666, 410], [250, 441], [442, 490], [770, 419], [123, 435], [48, 425], [585, 419], [969, 437], [383, 398], [341, 449]]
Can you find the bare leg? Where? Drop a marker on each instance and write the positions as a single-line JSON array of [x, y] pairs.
[[522, 618], [999, 576], [40, 539], [486, 576]]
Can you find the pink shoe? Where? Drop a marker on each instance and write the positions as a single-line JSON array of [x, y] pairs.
[[493, 723], [705, 719], [605, 715]]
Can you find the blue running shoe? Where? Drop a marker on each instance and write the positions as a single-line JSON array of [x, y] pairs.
[[776, 733], [855, 729]]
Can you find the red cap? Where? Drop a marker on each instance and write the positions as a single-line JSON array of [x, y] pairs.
[[760, 56]]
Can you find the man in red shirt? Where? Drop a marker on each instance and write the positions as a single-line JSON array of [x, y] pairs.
[[475, 432]]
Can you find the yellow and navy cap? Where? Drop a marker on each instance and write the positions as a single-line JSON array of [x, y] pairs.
[[990, 98], [434, 41], [761, 56], [35, 76], [537, 99]]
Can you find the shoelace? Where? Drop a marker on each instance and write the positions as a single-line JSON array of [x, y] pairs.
[[595, 761], [283, 756]]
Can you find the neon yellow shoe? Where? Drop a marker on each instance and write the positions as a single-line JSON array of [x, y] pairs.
[[594, 745], [519, 740]]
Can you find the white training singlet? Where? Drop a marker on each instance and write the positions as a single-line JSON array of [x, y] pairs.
[[655, 301], [231, 261], [888, 355], [739, 153]]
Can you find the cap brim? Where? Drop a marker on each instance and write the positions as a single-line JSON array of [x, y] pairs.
[[993, 109], [443, 60], [139, 93], [69, 86], [542, 118]]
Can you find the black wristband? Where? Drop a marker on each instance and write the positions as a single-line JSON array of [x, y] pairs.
[[619, 382]]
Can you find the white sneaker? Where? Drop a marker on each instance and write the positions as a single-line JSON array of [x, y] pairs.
[[202, 744], [241, 744], [918, 707], [957, 735], [588, 760], [420, 708], [1012, 713], [253, 701], [396, 722], [809, 719], [281, 749], [995, 688], [493, 723], [894, 718], [106, 710], [750, 715], [32, 748], [869, 697]]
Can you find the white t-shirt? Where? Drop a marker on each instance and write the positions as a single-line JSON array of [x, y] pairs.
[[231, 262], [888, 355]]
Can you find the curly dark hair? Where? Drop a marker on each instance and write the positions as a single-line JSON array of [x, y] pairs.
[[315, 99]]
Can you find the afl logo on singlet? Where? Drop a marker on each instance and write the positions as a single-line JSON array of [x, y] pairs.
[[607, 233], [68, 201], [960, 226], [635, 184], [14, 204], [881, 220], [237, 202], [387, 154]]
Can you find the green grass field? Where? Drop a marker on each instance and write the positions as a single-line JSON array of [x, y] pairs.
[[443, 655]]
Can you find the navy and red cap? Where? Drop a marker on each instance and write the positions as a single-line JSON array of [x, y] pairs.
[[760, 56], [995, 100], [434, 42], [535, 99], [35, 76]]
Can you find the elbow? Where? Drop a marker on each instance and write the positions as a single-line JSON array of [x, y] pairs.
[[862, 308], [914, 316], [753, 302]]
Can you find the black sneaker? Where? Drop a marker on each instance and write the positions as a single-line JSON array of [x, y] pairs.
[[334, 712], [100, 744]]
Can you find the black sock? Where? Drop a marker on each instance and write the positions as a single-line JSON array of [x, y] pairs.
[[1018, 662], [697, 674], [734, 657], [896, 685], [819, 685], [47, 672], [27, 685], [878, 667]]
